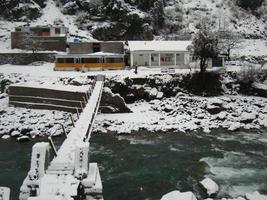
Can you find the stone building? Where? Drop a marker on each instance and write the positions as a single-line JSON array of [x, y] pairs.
[[45, 38], [93, 47]]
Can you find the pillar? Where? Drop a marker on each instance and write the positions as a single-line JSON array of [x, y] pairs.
[[149, 61], [159, 60], [175, 59], [131, 60]]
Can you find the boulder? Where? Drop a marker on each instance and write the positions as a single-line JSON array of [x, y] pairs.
[[113, 103], [176, 195], [152, 93], [247, 117], [213, 110], [5, 137], [210, 187], [160, 95], [15, 133], [215, 106], [23, 139], [168, 108], [234, 126]]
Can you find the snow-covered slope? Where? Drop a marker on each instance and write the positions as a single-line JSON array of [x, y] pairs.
[[124, 16]]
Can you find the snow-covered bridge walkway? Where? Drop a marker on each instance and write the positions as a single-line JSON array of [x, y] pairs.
[[69, 175]]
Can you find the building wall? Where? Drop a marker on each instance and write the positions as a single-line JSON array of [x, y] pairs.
[[80, 48], [140, 59], [19, 40], [88, 47], [160, 59], [112, 47]]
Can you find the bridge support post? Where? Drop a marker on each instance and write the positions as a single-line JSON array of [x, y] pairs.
[[81, 160], [30, 186]]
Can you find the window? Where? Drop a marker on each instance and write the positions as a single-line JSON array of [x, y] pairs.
[[167, 59], [114, 60], [57, 31], [60, 60], [154, 59], [69, 60], [90, 60], [96, 47]]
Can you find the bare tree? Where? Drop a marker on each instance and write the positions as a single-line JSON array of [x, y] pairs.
[[229, 41], [31, 43], [205, 45]]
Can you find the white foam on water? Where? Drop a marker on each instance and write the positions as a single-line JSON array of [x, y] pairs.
[[237, 174]]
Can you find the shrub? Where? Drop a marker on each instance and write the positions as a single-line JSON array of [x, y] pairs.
[[247, 76], [203, 84]]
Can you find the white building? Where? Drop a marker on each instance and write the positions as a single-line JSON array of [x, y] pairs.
[[159, 53]]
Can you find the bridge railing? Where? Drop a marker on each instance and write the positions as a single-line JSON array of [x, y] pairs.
[[72, 159]]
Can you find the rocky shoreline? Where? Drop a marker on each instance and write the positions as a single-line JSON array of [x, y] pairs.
[[154, 103], [185, 113]]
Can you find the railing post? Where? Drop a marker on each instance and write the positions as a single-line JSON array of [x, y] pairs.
[[64, 130], [81, 105], [84, 100], [72, 120], [77, 112], [52, 145]]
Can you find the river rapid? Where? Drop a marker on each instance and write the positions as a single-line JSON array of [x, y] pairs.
[[148, 165]]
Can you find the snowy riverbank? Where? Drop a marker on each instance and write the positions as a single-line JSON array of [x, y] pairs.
[[185, 113], [168, 106]]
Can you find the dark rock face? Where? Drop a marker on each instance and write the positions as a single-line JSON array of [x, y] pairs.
[[112, 103], [215, 110], [4, 85], [70, 8], [13, 10]]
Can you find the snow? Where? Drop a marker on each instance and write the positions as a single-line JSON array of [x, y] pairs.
[[260, 86], [4, 193], [176, 195], [5, 137], [67, 88], [172, 114], [210, 186], [158, 45], [251, 48]]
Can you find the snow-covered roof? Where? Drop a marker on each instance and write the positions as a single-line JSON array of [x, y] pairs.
[[159, 45], [97, 54]]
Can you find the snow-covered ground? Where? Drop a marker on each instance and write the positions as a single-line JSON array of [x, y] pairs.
[[18, 122], [181, 113], [187, 114]]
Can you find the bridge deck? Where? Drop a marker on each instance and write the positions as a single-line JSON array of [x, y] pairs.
[[70, 168], [67, 150]]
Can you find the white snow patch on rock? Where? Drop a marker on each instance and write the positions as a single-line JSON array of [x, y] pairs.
[[176, 195], [5, 137], [210, 186]]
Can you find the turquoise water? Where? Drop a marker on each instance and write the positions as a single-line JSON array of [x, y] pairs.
[[146, 166]]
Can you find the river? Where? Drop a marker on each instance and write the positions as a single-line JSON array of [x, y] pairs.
[[146, 166]]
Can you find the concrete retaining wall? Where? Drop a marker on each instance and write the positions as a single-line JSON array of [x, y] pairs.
[[49, 99]]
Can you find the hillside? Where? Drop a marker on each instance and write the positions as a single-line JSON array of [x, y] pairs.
[[134, 19]]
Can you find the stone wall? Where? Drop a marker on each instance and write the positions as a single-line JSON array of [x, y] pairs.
[[88, 47], [25, 58]]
